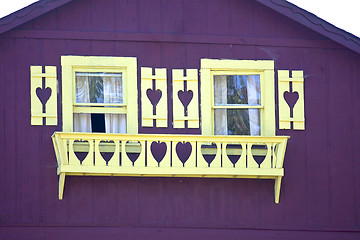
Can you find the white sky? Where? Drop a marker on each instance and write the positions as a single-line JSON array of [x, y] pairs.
[[344, 14]]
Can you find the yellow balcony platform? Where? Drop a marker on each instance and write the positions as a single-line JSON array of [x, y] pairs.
[[100, 154]]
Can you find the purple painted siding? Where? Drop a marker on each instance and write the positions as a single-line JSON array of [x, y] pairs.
[[320, 195]]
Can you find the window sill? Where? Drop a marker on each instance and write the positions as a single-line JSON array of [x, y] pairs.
[[170, 156]]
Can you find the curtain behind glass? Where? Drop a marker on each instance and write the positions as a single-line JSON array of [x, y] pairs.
[[99, 88], [82, 121], [253, 91], [220, 98], [237, 89], [113, 93]]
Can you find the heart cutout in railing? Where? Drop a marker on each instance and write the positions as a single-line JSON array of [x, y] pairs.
[[81, 149], [291, 98], [183, 151], [185, 97], [259, 152], [234, 151], [154, 96], [133, 150], [43, 94], [209, 150], [107, 149], [158, 150]]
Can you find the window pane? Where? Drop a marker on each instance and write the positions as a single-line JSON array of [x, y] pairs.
[[99, 87], [237, 89], [237, 121]]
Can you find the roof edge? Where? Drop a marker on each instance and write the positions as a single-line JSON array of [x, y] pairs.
[[314, 22], [283, 7], [28, 13]]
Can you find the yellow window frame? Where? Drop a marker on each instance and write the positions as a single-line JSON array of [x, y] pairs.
[[125, 65], [264, 68]]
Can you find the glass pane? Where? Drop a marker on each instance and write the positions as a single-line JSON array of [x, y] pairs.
[[237, 89], [237, 122], [98, 87]]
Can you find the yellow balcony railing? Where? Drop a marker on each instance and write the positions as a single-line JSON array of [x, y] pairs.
[[103, 154]]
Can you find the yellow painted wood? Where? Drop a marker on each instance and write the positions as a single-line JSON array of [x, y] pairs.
[[115, 160], [234, 106], [298, 117], [268, 101], [207, 172], [122, 110], [264, 68], [162, 106], [178, 80], [125, 160], [277, 187], [226, 64], [206, 100], [61, 184], [226, 163], [37, 114], [125, 65], [251, 163], [267, 161], [65, 146]]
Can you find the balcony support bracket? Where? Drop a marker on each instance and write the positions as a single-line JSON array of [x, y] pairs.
[[61, 185], [277, 188]]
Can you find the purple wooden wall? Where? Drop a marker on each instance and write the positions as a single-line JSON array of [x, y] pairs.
[[320, 195]]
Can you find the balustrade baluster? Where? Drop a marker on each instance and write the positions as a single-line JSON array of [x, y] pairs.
[[267, 161], [73, 160], [251, 163], [115, 160], [241, 163], [125, 160], [89, 159], [226, 162], [140, 161], [99, 160]]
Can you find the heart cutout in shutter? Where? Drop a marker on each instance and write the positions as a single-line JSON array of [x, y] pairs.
[[185, 97], [43, 94], [291, 98], [154, 96]]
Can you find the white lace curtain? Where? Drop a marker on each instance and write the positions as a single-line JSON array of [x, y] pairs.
[[221, 95], [113, 93]]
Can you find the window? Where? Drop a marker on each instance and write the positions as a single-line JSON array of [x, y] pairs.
[[99, 94], [237, 97]]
